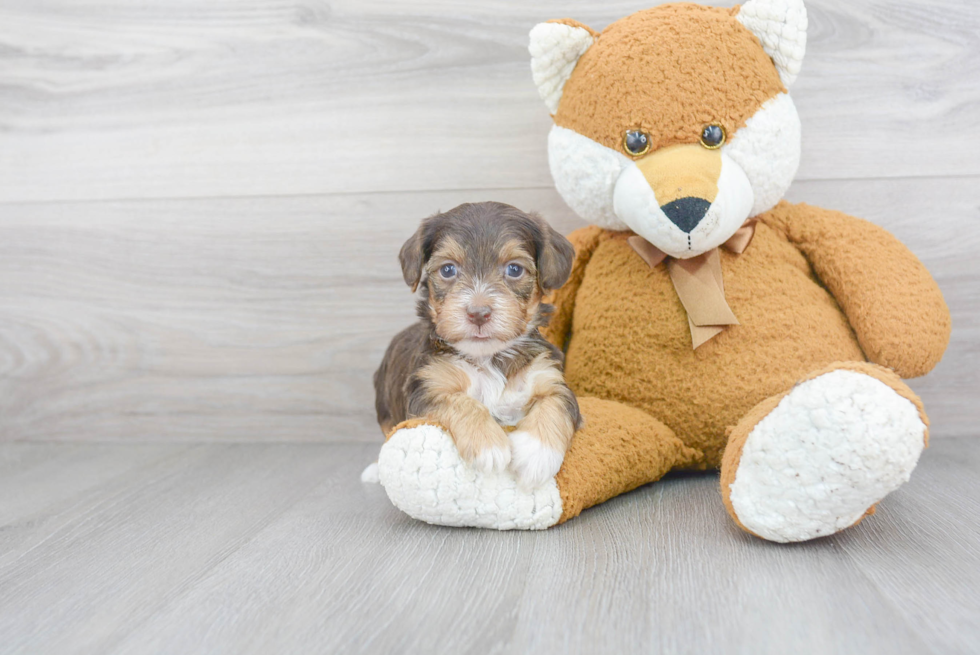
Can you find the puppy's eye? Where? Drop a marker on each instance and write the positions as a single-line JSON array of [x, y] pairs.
[[636, 142], [713, 136], [515, 270], [448, 271]]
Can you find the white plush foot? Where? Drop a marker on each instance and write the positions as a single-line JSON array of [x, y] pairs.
[[425, 477], [370, 474], [534, 462], [832, 448]]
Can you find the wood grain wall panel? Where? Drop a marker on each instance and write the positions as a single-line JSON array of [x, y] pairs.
[[262, 319], [163, 99]]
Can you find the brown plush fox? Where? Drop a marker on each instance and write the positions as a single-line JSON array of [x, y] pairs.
[[707, 323]]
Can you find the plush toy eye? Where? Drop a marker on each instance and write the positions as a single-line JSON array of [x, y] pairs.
[[636, 142], [713, 136], [515, 270], [448, 271]]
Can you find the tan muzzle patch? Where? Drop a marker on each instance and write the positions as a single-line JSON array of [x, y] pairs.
[[682, 171]]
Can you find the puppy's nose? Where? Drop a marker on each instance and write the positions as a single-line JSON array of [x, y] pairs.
[[478, 315]]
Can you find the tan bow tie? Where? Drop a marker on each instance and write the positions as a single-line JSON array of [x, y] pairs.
[[699, 283]]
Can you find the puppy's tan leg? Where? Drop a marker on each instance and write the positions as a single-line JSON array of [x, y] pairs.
[[480, 440], [544, 434]]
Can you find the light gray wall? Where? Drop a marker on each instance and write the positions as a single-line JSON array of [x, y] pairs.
[[201, 203]]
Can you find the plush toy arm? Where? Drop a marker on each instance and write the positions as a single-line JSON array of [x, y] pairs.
[[890, 299], [584, 240]]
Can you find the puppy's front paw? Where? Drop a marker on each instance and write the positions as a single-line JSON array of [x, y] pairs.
[[494, 458], [533, 461], [485, 447]]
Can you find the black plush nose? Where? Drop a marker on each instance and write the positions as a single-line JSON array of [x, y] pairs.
[[686, 213], [478, 315]]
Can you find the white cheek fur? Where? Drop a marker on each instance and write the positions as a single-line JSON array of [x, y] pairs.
[[766, 149], [585, 175]]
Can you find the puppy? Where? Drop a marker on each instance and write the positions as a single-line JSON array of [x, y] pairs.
[[476, 361]]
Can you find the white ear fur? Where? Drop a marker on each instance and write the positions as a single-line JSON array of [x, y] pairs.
[[555, 49], [781, 26]]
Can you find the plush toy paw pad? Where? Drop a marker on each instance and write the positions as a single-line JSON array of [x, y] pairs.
[[425, 477], [833, 447]]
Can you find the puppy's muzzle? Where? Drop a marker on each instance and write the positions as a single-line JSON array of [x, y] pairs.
[[478, 316]]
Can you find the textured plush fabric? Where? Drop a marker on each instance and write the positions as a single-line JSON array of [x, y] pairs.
[[781, 27], [555, 47], [629, 339], [619, 449], [638, 75], [894, 305], [739, 434], [585, 242], [425, 477], [412, 423]]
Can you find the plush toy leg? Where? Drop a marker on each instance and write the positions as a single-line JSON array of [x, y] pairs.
[[620, 448], [818, 458]]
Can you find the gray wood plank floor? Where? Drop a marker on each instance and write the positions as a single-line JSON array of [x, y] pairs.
[[247, 548]]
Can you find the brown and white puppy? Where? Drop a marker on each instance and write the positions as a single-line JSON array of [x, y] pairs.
[[476, 361]]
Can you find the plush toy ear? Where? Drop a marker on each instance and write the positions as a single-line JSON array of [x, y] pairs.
[[781, 26], [555, 48]]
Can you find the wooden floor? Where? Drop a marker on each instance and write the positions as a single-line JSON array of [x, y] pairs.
[[278, 548]]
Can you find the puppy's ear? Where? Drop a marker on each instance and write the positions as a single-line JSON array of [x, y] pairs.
[[555, 257], [412, 258]]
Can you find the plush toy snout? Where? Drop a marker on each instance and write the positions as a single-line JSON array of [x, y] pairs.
[[684, 180], [684, 199]]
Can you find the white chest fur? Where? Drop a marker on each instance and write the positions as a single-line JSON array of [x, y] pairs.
[[506, 399]]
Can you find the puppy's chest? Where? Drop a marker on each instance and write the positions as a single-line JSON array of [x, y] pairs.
[[505, 398]]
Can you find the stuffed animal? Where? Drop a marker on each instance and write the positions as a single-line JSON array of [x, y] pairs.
[[707, 322]]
